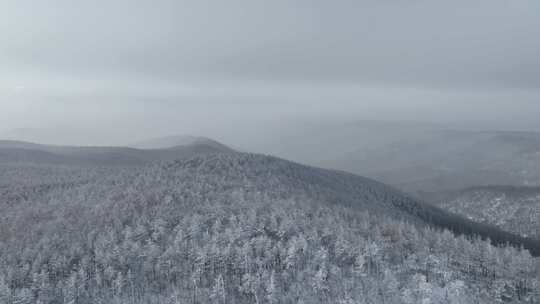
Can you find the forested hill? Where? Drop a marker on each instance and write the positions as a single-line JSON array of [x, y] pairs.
[[238, 228], [280, 178]]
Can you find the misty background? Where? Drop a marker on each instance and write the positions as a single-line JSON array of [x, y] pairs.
[[254, 73]]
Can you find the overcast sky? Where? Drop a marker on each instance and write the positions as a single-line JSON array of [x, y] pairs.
[[103, 71]]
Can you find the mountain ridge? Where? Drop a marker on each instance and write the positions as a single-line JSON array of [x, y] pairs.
[[349, 190], [20, 151], [174, 141]]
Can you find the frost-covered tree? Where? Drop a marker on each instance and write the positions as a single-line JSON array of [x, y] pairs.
[[272, 294], [5, 291], [218, 293]]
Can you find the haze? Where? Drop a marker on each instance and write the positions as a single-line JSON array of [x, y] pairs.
[[113, 72]]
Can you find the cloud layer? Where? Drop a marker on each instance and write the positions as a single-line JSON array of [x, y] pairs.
[[264, 58]]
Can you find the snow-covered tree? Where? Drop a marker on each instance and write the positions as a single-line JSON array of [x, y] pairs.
[[218, 293]]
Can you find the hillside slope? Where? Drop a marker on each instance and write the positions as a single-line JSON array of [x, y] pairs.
[[268, 174], [237, 228], [514, 209]]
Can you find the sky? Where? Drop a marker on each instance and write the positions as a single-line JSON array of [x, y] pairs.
[[116, 71]]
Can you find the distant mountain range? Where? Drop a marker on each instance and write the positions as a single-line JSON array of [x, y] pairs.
[[416, 157], [455, 160], [155, 150]]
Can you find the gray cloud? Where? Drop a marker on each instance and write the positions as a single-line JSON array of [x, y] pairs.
[[72, 63], [418, 42]]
